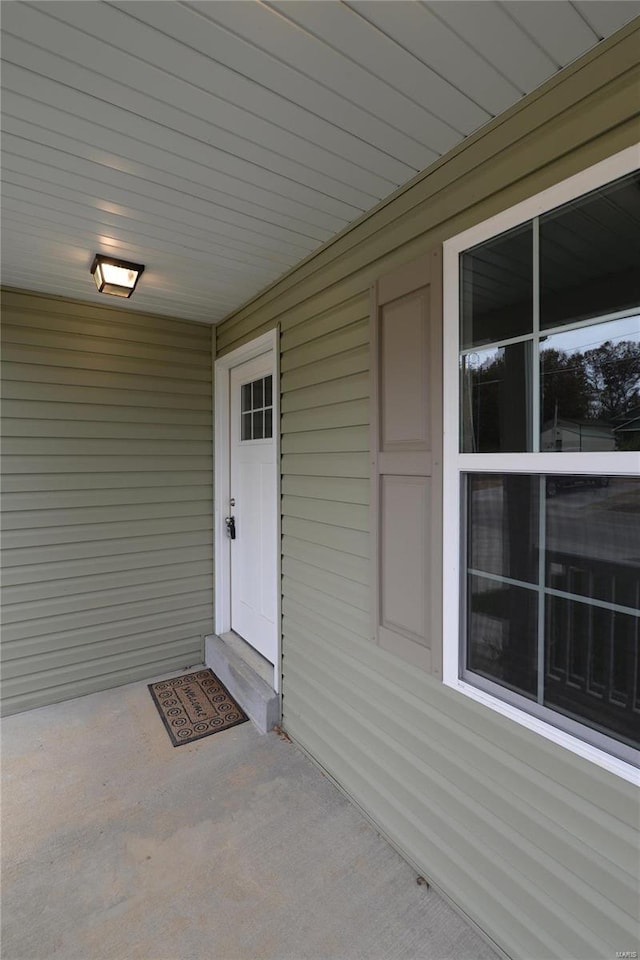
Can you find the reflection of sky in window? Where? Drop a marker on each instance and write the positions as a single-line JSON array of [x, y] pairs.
[[592, 336]]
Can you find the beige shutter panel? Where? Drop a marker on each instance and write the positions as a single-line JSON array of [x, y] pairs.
[[406, 451]]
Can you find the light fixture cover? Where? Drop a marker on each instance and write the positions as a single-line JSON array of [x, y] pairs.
[[116, 277]]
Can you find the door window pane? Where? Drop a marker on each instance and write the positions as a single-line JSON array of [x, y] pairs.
[[258, 424], [246, 426], [590, 255], [497, 288], [245, 397], [496, 404]]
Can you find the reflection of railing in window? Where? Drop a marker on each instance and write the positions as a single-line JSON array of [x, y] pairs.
[[592, 655]]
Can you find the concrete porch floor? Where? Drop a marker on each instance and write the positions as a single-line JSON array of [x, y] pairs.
[[118, 846]]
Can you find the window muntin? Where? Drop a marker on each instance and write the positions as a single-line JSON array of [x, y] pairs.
[[489, 594], [256, 409]]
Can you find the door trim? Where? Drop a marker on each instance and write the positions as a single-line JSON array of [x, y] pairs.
[[267, 343]]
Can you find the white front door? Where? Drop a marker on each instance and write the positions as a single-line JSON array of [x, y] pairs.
[[252, 505]]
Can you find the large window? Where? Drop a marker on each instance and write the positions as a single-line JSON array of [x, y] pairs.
[[542, 502]]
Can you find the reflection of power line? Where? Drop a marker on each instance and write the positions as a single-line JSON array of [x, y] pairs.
[[556, 370], [594, 343]]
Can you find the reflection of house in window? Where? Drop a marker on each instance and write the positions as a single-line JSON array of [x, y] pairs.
[[576, 435], [626, 427]]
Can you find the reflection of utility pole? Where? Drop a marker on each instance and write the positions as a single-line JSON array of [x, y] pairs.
[[478, 408], [556, 436], [468, 434]]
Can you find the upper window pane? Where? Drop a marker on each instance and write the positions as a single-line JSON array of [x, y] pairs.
[[590, 255], [496, 410], [590, 386], [497, 288]]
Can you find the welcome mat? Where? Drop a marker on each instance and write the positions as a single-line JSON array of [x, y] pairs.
[[195, 706]]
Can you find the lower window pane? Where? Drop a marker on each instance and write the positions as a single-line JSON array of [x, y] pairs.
[[258, 424], [503, 524], [582, 662], [593, 537], [592, 667], [502, 628]]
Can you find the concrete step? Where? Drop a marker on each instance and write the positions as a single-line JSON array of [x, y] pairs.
[[256, 697]]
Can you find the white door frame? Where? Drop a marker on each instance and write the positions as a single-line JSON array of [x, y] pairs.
[[267, 343]]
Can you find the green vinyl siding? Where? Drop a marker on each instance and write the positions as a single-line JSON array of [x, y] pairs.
[[107, 506], [533, 843]]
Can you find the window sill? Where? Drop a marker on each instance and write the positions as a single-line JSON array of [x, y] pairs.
[[581, 748]]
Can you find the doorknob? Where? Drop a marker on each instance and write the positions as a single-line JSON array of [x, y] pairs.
[[231, 527]]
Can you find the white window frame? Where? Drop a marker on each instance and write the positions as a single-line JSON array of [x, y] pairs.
[[456, 463]]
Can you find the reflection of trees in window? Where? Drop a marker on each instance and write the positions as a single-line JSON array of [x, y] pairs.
[[599, 385], [613, 372]]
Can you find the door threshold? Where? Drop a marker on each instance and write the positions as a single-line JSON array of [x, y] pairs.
[[247, 686], [250, 655]]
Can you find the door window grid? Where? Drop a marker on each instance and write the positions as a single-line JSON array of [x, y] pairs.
[[256, 409]]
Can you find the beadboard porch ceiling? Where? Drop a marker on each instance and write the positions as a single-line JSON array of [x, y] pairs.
[[220, 143]]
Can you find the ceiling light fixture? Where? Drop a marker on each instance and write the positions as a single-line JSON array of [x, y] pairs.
[[117, 277]]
